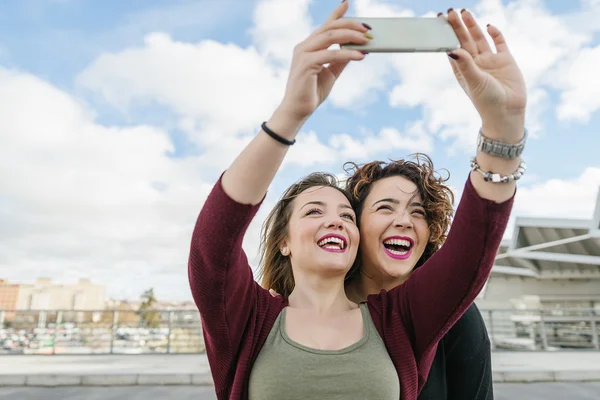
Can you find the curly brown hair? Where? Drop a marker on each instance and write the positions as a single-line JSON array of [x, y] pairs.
[[275, 268], [436, 196]]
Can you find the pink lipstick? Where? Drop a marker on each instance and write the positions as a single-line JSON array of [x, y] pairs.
[[398, 247], [333, 243]]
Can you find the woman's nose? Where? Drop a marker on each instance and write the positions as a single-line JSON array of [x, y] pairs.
[[403, 220], [334, 223]]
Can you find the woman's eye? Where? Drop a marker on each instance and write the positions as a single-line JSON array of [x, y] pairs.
[[348, 216], [419, 212], [384, 207], [314, 211]]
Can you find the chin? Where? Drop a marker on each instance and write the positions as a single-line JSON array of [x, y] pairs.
[[337, 268], [400, 269]]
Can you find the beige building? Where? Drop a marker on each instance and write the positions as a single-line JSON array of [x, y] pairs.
[[44, 294], [548, 263]]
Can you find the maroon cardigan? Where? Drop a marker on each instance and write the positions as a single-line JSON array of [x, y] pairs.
[[238, 314]]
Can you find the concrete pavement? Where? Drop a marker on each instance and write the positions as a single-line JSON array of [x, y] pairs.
[[502, 391], [546, 366], [546, 391], [186, 370]]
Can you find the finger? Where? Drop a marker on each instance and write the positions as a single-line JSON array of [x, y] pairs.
[[347, 23], [464, 37], [335, 36], [454, 65], [328, 76], [339, 12], [465, 63], [337, 67], [322, 57], [498, 37], [273, 293], [476, 33]]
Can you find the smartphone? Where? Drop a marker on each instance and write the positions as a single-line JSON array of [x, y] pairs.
[[407, 35]]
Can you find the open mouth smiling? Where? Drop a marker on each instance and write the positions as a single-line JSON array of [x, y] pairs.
[[398, 247], [333, 243]]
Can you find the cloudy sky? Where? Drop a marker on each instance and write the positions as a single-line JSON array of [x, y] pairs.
[[116, 118]]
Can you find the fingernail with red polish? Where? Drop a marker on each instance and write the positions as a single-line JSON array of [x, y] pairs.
[[440, 14], [450, 10], [453, 56], [463, 10], [367, 26], [365, 52]]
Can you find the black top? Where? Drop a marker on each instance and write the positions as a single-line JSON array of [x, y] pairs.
[[462, 367]]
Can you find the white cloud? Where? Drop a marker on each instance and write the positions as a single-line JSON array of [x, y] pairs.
[[557, 198], [578, 79], [218, 84], [560, 198], [378, 9], [341, 147], [554, 198], [585, 20], [221, 104], [427, 82], [362, 81], [78, 198], [427, 79], [81, 199], [414, 139], [309, 150], [279, 26], [535, 56]]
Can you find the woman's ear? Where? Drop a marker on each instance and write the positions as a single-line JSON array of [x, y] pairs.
[[284, 249]]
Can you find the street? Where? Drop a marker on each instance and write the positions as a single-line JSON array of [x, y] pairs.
[[507, 391]]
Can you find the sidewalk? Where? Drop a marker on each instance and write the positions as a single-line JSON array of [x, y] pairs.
[[128, 370], [546, 366]]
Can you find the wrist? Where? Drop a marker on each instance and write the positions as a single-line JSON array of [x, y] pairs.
[[285, 124], [509, 130]]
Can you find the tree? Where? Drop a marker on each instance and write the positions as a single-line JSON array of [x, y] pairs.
[[149, 319]]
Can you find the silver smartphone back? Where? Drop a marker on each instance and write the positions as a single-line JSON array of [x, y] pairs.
[[407, 35]]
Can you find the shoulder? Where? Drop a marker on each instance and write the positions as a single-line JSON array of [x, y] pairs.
[[471, 321], [469, 334]]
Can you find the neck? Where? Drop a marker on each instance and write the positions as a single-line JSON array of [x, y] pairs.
[[323, 295], [367, 284]]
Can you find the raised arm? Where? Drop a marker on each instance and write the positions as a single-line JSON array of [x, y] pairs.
[[495, 85], [220, 277], [308, 85], [436, 295]]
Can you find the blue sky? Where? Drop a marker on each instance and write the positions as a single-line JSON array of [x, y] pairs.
[[123, 114]]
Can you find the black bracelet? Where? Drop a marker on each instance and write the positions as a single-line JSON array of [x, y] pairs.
[[276, 136]]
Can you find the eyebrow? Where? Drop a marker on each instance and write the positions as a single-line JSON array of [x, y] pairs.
[[396, 201], [322, 204]]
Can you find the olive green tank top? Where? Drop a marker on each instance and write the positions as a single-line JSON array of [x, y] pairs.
[[285, 369]]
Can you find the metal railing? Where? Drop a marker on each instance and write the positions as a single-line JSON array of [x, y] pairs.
[[180, 331], [100, 332], [543, 329]]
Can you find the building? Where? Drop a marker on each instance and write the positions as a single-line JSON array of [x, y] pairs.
[[9, 297], [548, 263], [44, 294]]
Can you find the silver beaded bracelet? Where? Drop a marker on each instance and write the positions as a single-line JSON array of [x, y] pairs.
[[497, 178]]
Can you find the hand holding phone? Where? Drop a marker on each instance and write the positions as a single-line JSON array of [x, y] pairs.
[[407, 35]]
